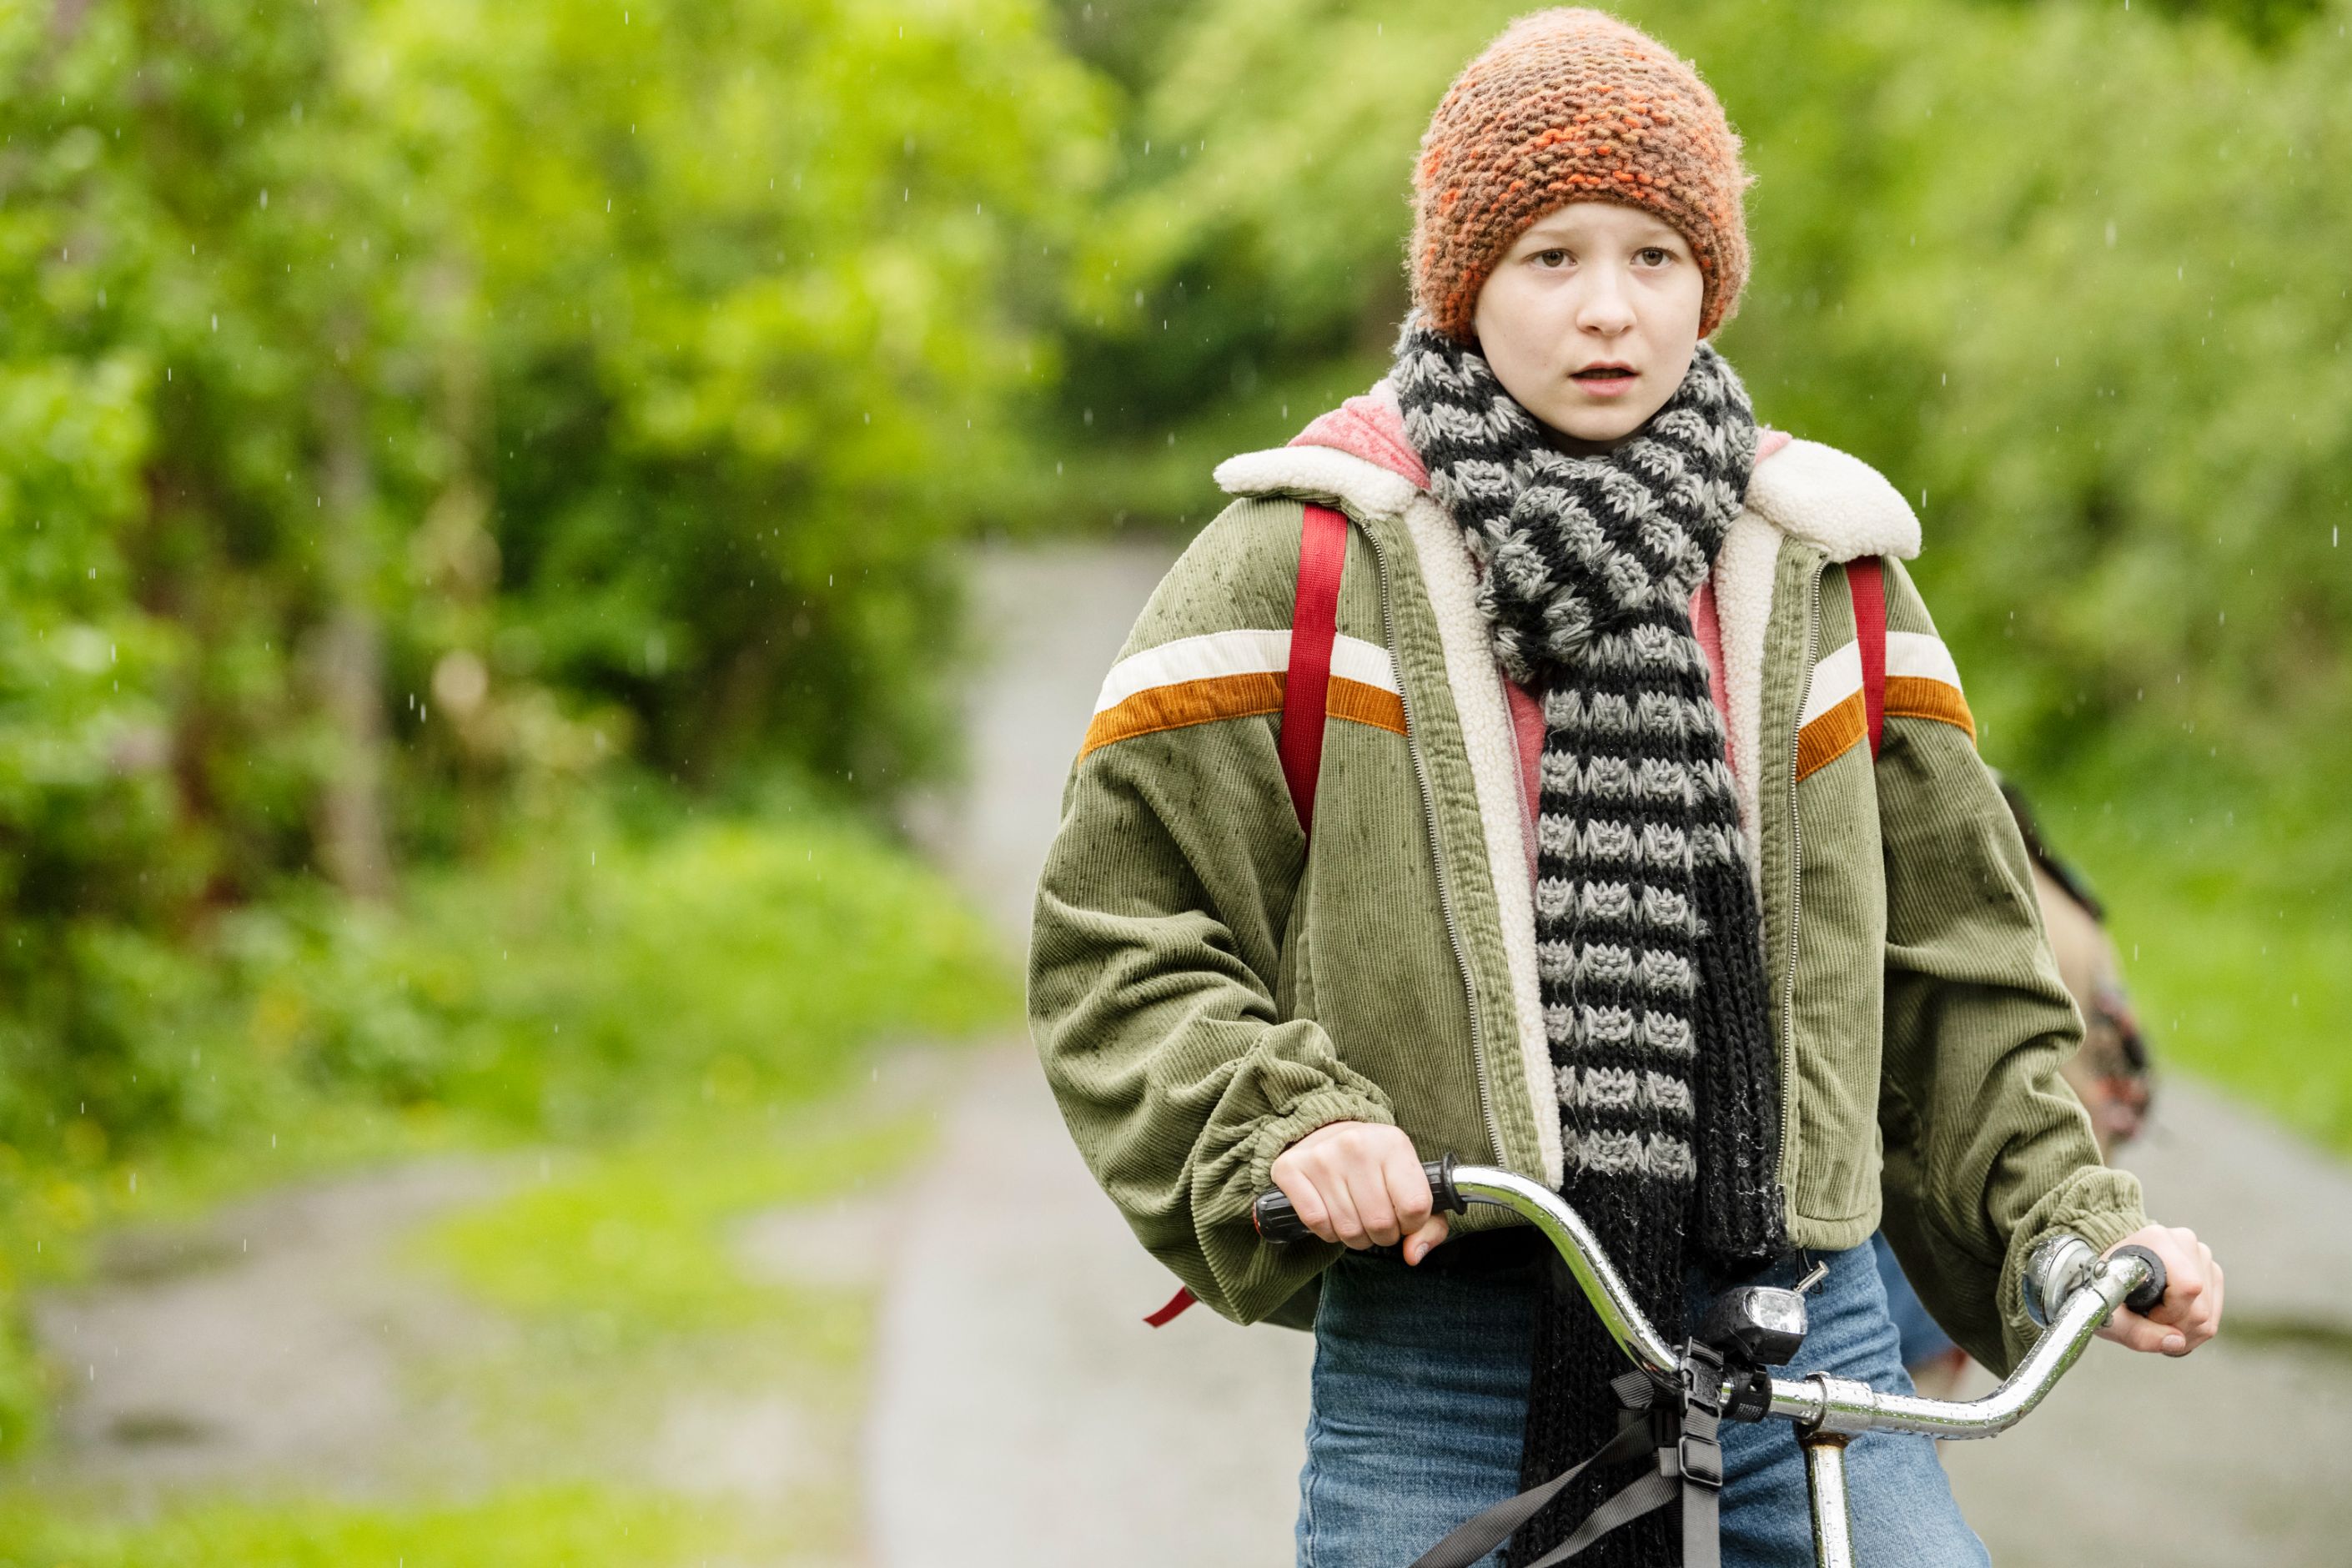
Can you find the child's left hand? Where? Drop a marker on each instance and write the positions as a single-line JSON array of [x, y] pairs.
[[2191, 1308]]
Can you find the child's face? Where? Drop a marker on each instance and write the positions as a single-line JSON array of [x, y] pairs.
[[1587, 284]]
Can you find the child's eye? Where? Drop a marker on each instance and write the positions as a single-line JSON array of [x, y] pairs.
[[1660, 251], [1541, 256]]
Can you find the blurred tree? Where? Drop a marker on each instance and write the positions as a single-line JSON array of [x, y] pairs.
[[411, 404], [754, 286]]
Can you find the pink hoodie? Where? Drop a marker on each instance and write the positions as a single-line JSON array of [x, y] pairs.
[[1372, 427]]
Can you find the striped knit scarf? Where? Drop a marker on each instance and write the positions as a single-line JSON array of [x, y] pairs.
[[1648, 944]]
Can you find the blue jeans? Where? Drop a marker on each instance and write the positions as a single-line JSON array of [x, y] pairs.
[[1924, 1339], [1421, 1389]]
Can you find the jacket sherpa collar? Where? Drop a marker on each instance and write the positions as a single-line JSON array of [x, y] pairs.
[[1830, 499], [1358, 456]]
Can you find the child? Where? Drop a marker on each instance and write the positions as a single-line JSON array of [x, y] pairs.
[[1605, 884]]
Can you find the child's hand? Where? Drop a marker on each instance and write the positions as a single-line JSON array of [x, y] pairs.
[[1359, 1184], [2191, 1307]]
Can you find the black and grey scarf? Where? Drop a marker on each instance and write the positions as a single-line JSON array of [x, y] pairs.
[[1647, 926]]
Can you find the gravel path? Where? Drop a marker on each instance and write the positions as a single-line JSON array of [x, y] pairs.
[[1023, 1416]]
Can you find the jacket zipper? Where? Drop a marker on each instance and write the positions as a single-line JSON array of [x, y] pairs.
[[1796, 869], [1437, 854]]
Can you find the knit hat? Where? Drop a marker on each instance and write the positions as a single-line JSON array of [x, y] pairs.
[[1566, 105]]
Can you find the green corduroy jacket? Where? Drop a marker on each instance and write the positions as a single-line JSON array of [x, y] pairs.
[[1206, 985]]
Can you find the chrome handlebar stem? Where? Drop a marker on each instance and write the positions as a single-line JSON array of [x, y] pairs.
[[2085, 1289], [1566, 1230]]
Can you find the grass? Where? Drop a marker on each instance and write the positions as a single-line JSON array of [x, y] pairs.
[[671, 1027], [638, 1239], [613, 1277], [576, 1527]]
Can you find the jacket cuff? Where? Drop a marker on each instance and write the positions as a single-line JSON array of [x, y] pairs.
[[2098, 1203], [1319, 1107]]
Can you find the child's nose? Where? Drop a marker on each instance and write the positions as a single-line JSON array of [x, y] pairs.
[[1606, 307]]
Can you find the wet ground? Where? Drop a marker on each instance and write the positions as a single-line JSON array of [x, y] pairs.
[[323, 1345]]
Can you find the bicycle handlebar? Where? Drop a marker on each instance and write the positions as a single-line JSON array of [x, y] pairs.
[[2084, 1288], [1277, 1218]]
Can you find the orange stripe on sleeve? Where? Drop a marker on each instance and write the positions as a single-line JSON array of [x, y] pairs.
[[1918, 697], [1832, 734], [1185, 702], [1366, 705], [1189, 703]]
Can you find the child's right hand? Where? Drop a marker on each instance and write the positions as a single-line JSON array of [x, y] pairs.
[[1360, 1183]]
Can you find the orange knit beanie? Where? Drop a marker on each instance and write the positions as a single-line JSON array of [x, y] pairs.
[[1570, 105]]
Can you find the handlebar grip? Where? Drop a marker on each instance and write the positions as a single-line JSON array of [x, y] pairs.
[[1278, 1220], [2150, 1293]]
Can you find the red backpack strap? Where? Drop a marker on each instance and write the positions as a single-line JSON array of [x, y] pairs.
[[1306, 691], [1174, 1309], [1314, 628], [1865, 576]]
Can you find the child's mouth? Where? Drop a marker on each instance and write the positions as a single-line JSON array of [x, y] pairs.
[[1604, 382]]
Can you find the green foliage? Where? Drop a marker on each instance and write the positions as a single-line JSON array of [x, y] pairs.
[[415, 411], [755, 284], [413, 408], [589, 981], [2223, 898], [585, 984]]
